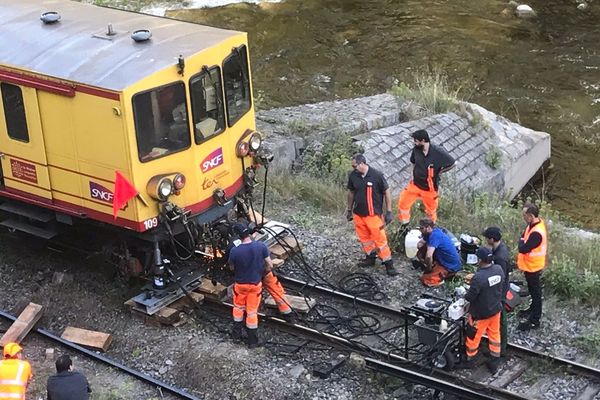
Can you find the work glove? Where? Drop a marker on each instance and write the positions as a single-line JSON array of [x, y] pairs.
[[388, 217], [349, 216]]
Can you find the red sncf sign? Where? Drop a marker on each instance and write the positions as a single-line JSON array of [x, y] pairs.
[[212, 160]]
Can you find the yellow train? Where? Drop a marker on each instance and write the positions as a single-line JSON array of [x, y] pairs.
[[139, 123]]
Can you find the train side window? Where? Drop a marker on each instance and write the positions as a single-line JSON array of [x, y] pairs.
[[161, 121], [237, 84], [14, 112], [207, 104]]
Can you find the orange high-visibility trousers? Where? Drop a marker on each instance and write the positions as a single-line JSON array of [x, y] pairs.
[[371, 234], [409, 195], [491, 326], [276, 291], [436, 277], [246, 298]]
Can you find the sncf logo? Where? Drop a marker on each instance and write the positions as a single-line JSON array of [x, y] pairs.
[[213, 160], [101, 193]]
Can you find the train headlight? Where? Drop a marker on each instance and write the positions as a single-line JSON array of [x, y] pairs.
[[179, 181], [242, 149], [165, 187], [160, 187], [255, 141]]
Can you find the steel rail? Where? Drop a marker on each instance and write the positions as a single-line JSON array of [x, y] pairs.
[[407, 370], [98, 357], [403, 311]]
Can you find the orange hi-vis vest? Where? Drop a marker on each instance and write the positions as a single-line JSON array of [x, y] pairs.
[[535, 260], [14, 375]]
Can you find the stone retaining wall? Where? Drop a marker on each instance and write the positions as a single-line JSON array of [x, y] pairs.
[[493, 154]]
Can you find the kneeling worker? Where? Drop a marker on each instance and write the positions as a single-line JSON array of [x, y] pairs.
[[437, 251], [15, 373], [249, 260], [485, 297]]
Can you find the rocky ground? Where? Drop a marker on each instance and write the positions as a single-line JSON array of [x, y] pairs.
[[199, 355]]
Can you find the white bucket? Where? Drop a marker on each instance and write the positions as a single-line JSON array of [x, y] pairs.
[[410, 242]]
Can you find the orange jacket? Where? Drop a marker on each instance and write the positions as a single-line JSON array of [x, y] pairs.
[[535, 260], [14, 375]]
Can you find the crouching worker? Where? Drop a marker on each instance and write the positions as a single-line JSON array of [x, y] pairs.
[[485, 297], [249, 261], [15, 373], [437, 253]]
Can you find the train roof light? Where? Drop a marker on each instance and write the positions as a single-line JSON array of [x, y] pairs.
[[141, 35], [50, 17]]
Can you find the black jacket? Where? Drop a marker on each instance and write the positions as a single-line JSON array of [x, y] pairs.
[[68, 385], [486, 292]]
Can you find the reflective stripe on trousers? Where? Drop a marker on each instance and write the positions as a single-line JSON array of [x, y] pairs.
[[371, 233], [491, 326], [271, 283], [246, 296], [409, 195]]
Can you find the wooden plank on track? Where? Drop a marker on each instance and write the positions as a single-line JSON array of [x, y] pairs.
[[185, 303], [207, 288], [95, 340], [256, 217], [277, 262], [298, 303], [24, 323], [510, 370]]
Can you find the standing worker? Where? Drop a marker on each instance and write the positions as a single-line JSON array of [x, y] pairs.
[[67, 384], [429, 161], [532, 260], [15, 373], [270, 283], [437, 253], [485, 298], [368, 192], [501, 257], [249, 260]]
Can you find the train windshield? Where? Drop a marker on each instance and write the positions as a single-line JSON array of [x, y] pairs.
[[161, 122], [207, 104], [237, 84]]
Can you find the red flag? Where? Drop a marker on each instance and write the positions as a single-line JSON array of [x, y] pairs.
[[124, 191]]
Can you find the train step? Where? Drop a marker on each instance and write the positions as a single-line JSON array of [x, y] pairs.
[[21, 226], [28, 211]]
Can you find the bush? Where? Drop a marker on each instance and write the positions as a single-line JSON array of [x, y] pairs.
[[430, 90], [331, 158]]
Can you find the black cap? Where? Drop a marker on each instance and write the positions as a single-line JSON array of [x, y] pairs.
[[421, 134], [493, 233], [484, 254], [241, 229]]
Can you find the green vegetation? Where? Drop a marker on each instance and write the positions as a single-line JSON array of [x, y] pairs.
[[430, 92], [493, 157]]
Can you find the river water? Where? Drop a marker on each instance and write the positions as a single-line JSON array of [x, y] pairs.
[[542, 72]]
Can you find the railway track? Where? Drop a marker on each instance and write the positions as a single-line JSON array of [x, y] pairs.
[[105, 360], [526, 374]]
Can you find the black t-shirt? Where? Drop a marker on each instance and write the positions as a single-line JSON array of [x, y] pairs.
[[68, 386], [436, 157], [502, 258], [368, 192]]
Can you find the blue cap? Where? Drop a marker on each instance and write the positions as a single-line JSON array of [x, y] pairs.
[[484, 254]]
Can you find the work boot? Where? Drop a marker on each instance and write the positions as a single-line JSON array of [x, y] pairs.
[[253, 339], [493, 364], [236, 331], [468, 364], [368, 261], [389, 268], [528, 325]]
